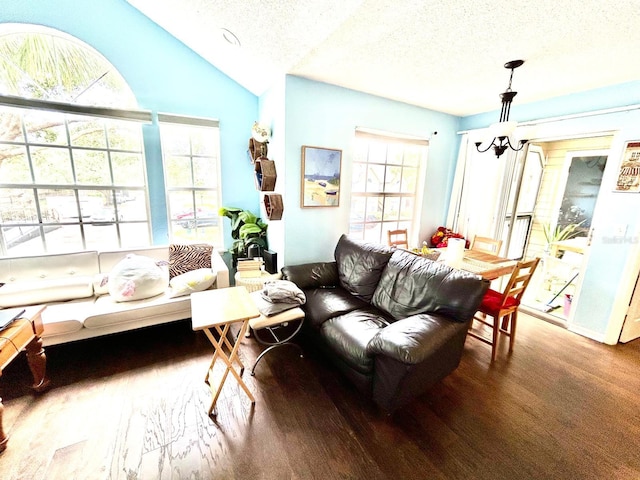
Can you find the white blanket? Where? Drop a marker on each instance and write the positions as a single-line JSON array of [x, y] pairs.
[[283, 291]]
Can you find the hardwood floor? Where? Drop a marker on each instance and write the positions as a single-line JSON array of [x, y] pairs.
[[133, 406]]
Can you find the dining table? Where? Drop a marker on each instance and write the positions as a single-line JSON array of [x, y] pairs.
[[487, 265]]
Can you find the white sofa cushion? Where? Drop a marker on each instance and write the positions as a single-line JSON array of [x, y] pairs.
[[64, 318], [106, 311], [44, 267], [31, 292]]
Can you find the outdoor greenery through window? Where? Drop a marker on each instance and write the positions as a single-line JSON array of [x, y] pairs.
[[72, 168], [387, 174], [70, 182], [192, 175]]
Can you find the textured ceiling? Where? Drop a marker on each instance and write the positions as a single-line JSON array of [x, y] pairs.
[[447, 56]]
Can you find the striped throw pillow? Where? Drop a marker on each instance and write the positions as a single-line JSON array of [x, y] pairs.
[[184, 258]]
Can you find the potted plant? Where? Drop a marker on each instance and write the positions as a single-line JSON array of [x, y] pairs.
[[560, 233], [246, 229]]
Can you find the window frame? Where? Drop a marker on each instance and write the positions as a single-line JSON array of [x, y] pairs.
[[66, 111], [195, 232], [374, 229]]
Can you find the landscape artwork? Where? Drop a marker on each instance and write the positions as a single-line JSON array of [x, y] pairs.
[[320, 177]]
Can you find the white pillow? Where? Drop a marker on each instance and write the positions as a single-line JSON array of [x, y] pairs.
[[137, 277], [101, 283], [192, 281]]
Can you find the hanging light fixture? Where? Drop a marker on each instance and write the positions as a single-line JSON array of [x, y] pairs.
[[504, 128]]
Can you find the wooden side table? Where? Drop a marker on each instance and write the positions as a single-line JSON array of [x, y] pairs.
[[218, 310], [24, 334]]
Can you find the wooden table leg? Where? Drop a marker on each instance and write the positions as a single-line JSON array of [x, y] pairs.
[[219, 353], [3, 437], [38, 364]]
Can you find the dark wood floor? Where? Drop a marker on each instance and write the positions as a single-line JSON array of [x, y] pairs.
[[133, 406]]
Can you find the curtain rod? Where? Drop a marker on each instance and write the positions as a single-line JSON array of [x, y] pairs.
[[572, 116], [70, 108]]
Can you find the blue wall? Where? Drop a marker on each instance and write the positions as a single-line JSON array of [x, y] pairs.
[[318, 114], [589, 101], [165, 76]]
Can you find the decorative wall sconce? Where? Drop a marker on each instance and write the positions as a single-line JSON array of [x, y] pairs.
[[504, 128]]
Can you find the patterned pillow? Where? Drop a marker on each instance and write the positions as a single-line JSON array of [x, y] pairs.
[[193, 281], [184, 258]]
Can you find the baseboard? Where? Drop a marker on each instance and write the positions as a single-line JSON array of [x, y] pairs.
[[586, 332]]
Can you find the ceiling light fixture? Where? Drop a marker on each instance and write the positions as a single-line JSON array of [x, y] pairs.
[[230, 37], [501, 130]]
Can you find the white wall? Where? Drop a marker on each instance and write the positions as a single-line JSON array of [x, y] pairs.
[[272, 112]]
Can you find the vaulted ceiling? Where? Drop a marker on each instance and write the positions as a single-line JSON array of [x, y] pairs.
[[447, 56]]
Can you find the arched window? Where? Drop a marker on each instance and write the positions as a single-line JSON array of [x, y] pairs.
[[72, 169], [46, 64]]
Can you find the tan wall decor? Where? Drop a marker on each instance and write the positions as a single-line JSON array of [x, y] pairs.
[[265, 174], [273, 205]]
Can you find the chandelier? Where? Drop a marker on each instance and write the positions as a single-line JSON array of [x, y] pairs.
[[504, 128]]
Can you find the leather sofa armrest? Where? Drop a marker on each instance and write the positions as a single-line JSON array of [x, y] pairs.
[[312, 275], [413, 339]]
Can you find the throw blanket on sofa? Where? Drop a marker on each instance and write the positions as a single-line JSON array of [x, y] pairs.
[[283, 291], [277, 296]]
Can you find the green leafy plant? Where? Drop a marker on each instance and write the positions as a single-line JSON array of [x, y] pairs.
[[246, 229], [560, 233]]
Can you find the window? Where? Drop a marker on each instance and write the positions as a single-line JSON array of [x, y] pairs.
[[70, 182], [72, 173], [387, 180], [191, 149]]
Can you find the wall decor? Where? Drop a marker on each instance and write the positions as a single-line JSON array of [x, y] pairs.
[[320, 177], [273, 205], [629, 174], [265, 174]]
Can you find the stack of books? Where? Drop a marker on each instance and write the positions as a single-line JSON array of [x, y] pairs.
[[249, 267]]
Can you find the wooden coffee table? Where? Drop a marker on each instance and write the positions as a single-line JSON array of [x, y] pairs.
[[218, 310], [24, 334]]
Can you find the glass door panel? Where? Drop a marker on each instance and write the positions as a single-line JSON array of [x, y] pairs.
[[561, 223]]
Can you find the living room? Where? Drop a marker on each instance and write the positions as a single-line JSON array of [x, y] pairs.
[[301, 112]]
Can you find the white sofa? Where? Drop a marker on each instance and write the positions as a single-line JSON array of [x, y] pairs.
[[75, 309]]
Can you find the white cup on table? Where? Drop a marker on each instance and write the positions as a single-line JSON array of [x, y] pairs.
[[455, 252]]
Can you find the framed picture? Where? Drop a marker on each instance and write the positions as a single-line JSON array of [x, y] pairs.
[[320, 177], [629, 174]]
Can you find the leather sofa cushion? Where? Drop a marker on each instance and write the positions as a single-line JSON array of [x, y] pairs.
[[312, 275], [411, 340], [348, 336], [360, 265], [411, 285], [325, 303]]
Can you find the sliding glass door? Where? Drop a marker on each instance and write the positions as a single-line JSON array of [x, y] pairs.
[[540, 202]]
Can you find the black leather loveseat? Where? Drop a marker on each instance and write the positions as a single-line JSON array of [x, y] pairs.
[[394, 323]]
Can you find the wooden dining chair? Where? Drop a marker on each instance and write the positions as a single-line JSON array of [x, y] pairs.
[[499, 311], [486, 245], [398, 238]]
